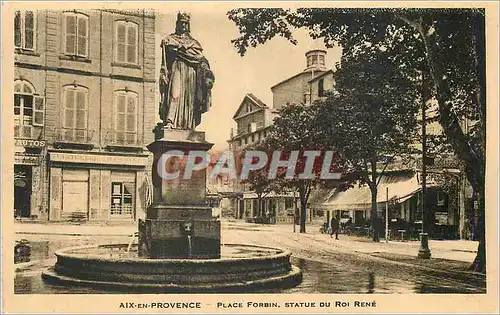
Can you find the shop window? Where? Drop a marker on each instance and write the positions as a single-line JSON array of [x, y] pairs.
[[126, 38], [75, 112], [28, 109], [76, 34], [24, 30], [125, 118], [440, 198], [121, 199]]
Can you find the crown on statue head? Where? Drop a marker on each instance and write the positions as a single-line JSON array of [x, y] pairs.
[[183, 17]]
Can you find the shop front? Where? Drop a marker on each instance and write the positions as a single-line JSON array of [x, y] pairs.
[[97, 187], [28, 181]]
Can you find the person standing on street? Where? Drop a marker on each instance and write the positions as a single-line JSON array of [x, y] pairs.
[[334, 225]]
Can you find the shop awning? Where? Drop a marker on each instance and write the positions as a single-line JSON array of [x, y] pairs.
[[272, 194], [401, 187]]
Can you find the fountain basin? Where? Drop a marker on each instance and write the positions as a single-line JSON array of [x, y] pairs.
[[241, 268]]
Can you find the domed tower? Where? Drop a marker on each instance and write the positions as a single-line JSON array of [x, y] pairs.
[[315, 60]]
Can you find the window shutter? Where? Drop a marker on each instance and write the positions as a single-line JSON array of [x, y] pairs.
[[17, 30], [29, 26], [17, 104], [132, 43], [81, 109], [39, 111], [69, 111], [131, 113], [120, 42], [120, 113], [70, 34], [82, 36]]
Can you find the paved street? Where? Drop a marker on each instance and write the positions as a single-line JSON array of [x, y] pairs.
[[348, 265]]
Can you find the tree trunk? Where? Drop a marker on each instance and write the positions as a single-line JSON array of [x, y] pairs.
[[303, 208], [479, 53], [373, 190], [471, 156], [303, 215], [259, 205], [374, 214]]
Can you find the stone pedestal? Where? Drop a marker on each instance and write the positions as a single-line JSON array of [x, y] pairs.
[[178, 224]]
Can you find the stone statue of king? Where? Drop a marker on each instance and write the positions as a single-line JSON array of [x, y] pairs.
[[185, 79]]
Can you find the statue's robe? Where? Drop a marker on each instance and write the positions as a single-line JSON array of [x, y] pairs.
[[186, 90]]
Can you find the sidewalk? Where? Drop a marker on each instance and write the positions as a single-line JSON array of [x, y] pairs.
[[74, 229], [459, 250]]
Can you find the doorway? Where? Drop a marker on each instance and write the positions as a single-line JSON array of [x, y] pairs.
[[22, 191]]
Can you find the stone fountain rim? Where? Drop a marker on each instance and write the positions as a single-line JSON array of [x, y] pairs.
[[63, 253]]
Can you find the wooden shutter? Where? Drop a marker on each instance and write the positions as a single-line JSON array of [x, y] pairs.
[[120, 116], [132, 43], [17, 104], [121, 31], [70, 43], [39, 111], [69, 108], [17, 30], [81, 109], [29, 27], [131, 113], [82, 36]]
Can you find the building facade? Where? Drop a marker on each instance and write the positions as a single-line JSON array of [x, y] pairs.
[[84, 108], [254, 118]]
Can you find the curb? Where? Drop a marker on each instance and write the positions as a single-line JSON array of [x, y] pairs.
[[69, 234]]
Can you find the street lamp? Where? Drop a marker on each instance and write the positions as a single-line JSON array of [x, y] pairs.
[[424, 252]]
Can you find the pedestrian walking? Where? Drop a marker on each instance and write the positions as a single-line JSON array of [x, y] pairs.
[[334, 227]]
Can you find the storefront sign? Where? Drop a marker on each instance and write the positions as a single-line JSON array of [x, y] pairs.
[[99, 159], [30, 143], [27, 159]]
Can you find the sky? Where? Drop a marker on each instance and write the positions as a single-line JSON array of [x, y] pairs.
[[235, 76]]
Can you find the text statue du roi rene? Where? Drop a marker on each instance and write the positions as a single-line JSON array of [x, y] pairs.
[[176, 164]]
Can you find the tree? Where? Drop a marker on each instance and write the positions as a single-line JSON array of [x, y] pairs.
[[448, 44], [370, 118], [258, 180], [293, 130]]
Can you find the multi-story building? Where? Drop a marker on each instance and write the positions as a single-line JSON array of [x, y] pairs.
[[84, 108], [254, 118], [307, 86]]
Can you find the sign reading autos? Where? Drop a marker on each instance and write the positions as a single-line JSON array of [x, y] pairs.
[[30, 143]]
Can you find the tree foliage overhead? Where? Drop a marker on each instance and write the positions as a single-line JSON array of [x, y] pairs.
[[293, 130], [371, 116], [447, 44]]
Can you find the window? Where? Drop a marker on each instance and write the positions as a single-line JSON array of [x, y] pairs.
[[125, 119], [76, 34], [314, 60], [126, 42], [321, 60], [121, 199], [321, 89], [28, 109], [75, 100], [24, 30]]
